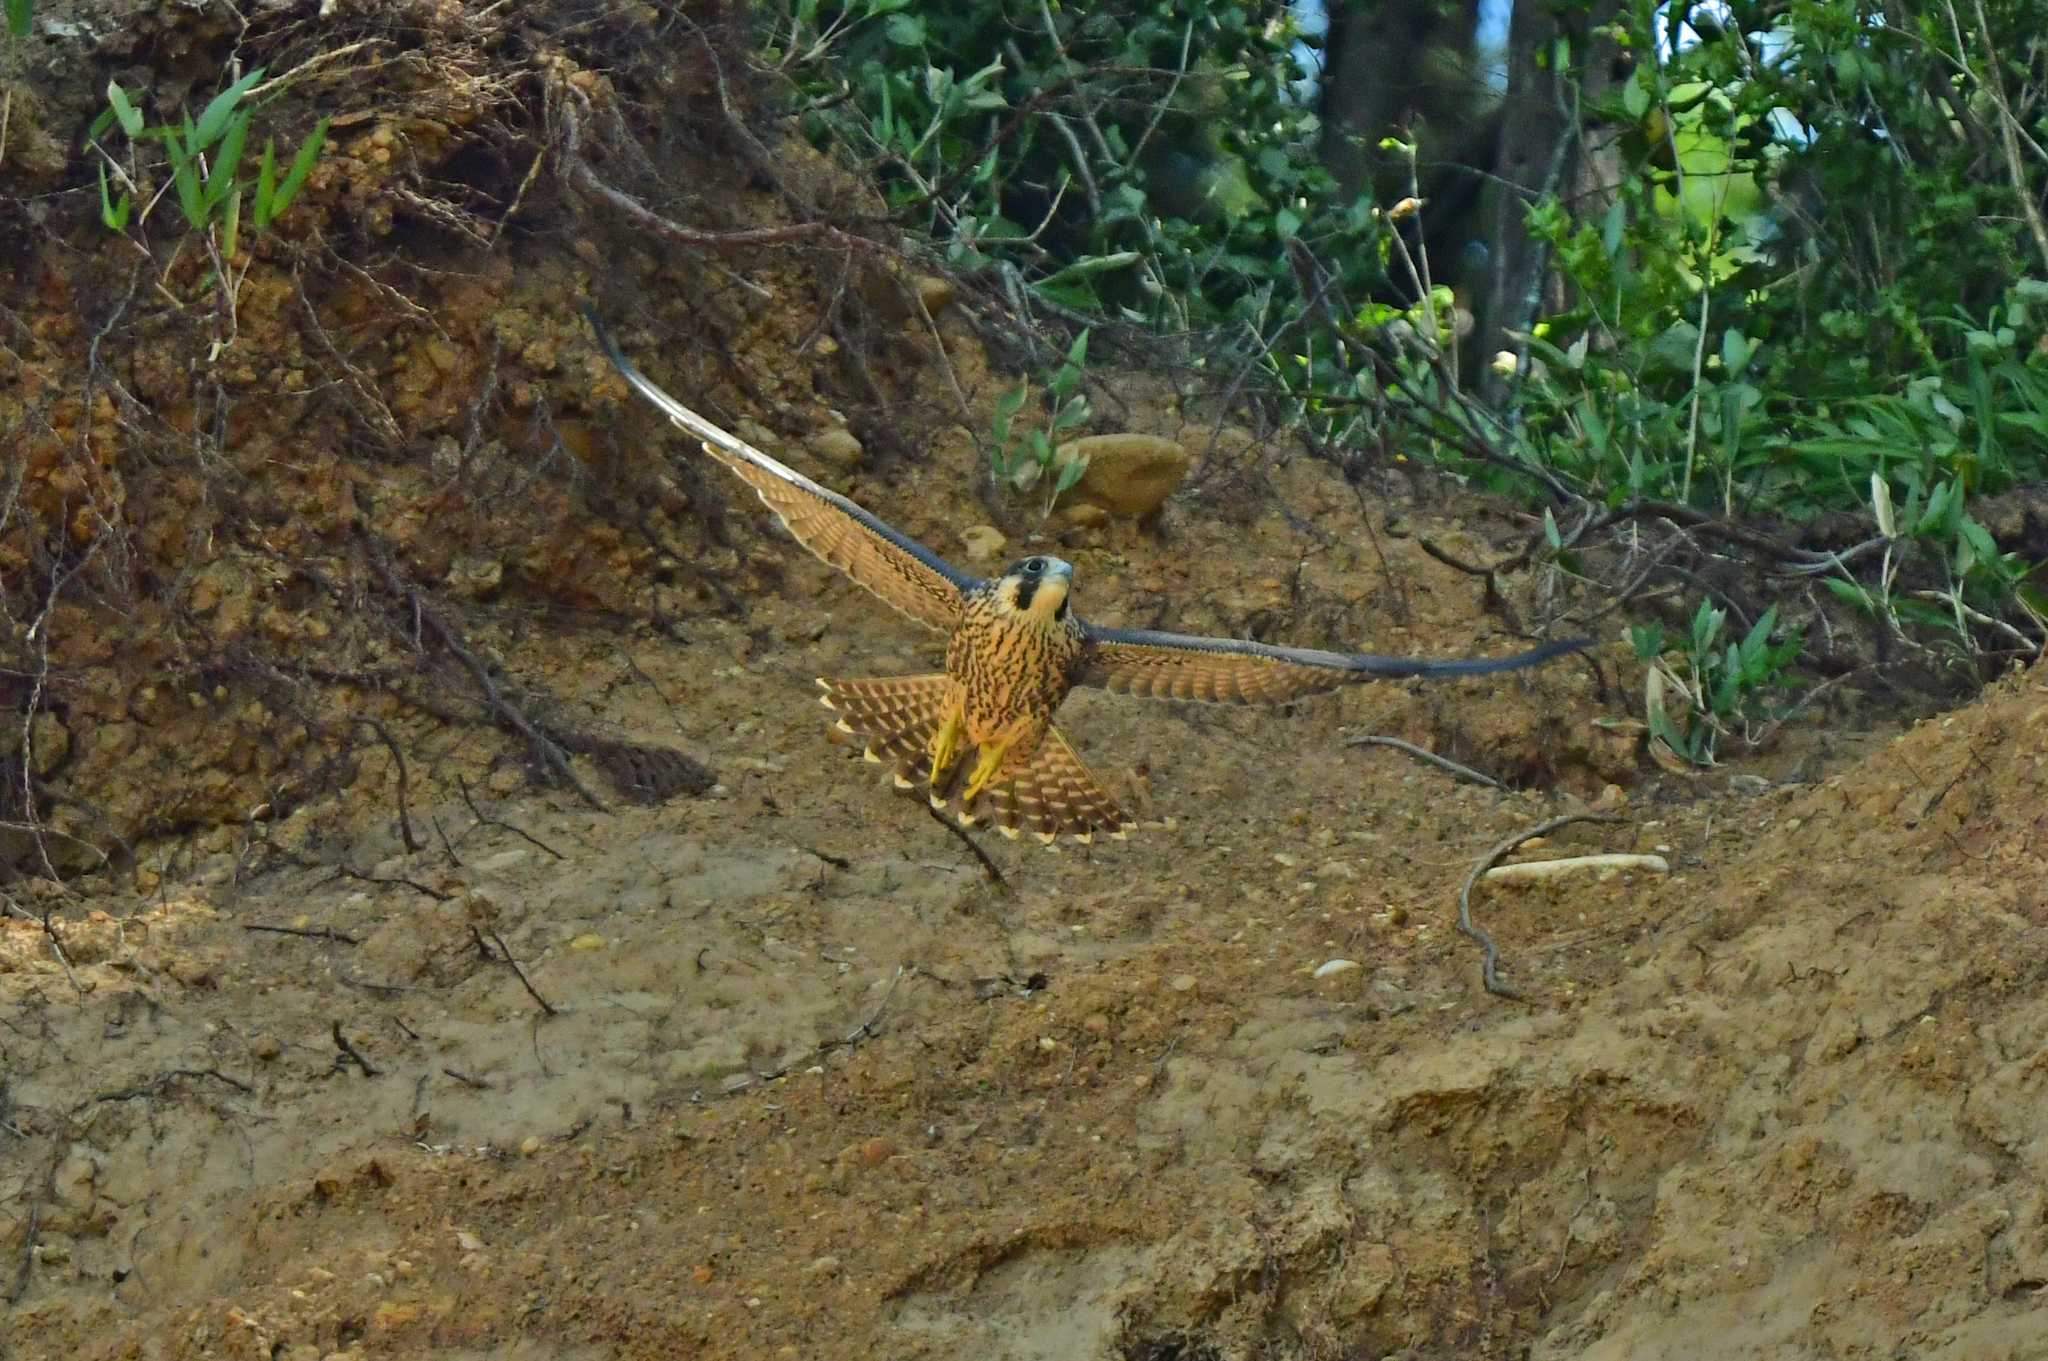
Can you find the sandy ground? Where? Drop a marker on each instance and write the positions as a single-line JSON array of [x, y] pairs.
[[779, 1072], [811, 1086]]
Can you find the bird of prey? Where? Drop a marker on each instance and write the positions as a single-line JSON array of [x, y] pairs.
[[1015, 649]]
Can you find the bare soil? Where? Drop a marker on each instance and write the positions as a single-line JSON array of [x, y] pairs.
[[779, 1072]]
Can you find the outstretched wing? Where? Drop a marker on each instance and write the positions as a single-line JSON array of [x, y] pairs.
[[1230, 671], [896, 567]]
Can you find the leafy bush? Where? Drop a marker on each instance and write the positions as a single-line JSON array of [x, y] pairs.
[[1141, 161], [204, 159]]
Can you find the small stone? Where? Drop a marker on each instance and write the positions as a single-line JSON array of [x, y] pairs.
[[838, 446], [1330, 968], [529, 1146], [468, 1241], [934, 294], [265, 1046], [1182, 982], [702, 1275], [1085, 515], [875, 1152], [475, 578], [589, 940], [824, 1266], [984, 543]]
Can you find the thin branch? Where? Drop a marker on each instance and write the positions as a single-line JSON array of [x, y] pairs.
[[995, 876], [349, 1053], [505, 951], [1424, 754], [323, 933]]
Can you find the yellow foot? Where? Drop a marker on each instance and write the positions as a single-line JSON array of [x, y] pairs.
[[984, 772], [945, 747]]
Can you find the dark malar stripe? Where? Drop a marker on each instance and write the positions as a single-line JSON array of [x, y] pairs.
[[1026, 589]]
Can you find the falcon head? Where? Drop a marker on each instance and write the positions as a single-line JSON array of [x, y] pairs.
[[1037, 587]]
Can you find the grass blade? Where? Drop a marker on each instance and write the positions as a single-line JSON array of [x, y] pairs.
[[214, 121]]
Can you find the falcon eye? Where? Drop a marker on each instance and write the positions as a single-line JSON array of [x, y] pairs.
[[1033, 566]]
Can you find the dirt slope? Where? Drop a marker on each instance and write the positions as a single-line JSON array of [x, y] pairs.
[[804, 1083]]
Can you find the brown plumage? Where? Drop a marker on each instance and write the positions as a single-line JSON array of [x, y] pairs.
[[1015, 649]]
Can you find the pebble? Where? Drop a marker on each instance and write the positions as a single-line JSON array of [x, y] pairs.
[[821, 1266], [1330, 968], [265, 1047], [1182, 982], [529, 1146], [984, 543], [935, 294], [838, 446]]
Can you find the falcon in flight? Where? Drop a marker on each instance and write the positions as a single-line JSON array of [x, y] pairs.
[[1015, 649]]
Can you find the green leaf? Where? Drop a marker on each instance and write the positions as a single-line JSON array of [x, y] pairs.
[[231, 236], [1978, 540], [214, 121], [266, 183], [1759, 636], [1735, 352], [1635, 96], [114, 213], [130, 117], [19, 13], [1551, 535], [1070, 472], [185, 173], [1648, 640], [905, 30], [302, 166], [1852, 593], [220, 182], [1706, 623]]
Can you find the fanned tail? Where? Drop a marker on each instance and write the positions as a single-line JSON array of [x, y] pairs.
[[895, 716], [1050, 795]]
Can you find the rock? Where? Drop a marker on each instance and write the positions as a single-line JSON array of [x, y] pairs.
[[984, 543], [838, 446], [934, 294], [1182, 982], [1084, 515], [529, 1146], [472, 577], [1332, 967], [874, 1152], [1128, 475], [824, 1266], [1362, 1282], [266, 1047], [589, 940]]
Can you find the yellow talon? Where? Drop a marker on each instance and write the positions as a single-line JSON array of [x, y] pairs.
[[945, 746], [984, 771]]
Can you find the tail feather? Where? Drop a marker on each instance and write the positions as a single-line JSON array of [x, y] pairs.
[[894, 716], [1051, 794]]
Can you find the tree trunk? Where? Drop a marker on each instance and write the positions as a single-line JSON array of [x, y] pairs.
[[1546, 149]]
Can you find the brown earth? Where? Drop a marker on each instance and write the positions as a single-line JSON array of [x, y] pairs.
[[805, 1084]]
